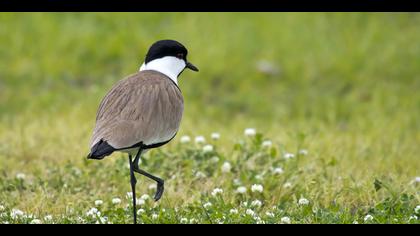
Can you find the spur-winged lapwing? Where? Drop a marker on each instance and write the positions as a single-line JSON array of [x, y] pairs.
[[143, 111]]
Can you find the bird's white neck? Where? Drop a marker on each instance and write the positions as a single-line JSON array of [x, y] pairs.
[[169, 66]]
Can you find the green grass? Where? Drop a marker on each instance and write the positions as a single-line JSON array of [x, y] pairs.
[[346, 90]]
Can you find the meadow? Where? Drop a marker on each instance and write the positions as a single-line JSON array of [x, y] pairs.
[[293, 118]]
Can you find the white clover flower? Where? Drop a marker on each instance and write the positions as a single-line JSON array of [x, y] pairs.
[[368, 218], [93, 212], [35, 222], [250, 212], [250, 132], [116, 201], [104, 220], [355, 222], [278, 171], [215, 159], [154, 216], [207, 205], [285, 220], [77, 171], [216, 192], [6, 222], [287, 185], [417, 179], [270, 214], [303, 201], [258, 220], [226, 167], [184, 220], [48, 218], [129, 195], [207, 148], [267, 144], [16, 213], [20, 176], [256, 203], [233, 211], [28, 216], [2, 208], [200, 140], [99, 202], [237, 182], [241, 190], [145, 197], [140, 202], [200, 175], [417, 209], [245, 204], [152, 186], [413, 217], [140, 211], [185, 139], [215, 136], [288, 155], [303, 152], [81, 220], [257, 188], [267, 67]]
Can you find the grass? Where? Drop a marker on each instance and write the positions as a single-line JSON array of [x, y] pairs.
[[344, 87]]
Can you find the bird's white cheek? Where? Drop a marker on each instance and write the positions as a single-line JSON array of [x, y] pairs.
[[178, 66]]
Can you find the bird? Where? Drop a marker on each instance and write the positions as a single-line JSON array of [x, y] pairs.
[[143, 111]]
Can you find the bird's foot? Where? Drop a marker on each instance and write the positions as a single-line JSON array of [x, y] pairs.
[[159, 190]]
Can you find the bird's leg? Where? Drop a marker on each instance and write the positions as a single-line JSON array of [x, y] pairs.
[[133, 187], [159, 181]]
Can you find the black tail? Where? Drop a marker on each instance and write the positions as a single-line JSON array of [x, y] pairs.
[[100, 150]]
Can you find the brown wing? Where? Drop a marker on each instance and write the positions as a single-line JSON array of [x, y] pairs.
[[145, 107]]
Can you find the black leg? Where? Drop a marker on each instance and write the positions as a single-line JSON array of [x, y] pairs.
[[133, 187], [159, 181]]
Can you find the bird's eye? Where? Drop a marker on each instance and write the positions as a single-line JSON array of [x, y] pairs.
[[180, 55]]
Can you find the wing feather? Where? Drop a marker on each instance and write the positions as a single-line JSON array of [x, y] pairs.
[[145, 107]]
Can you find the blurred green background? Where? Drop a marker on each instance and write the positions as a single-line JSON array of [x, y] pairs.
[[348, 81]]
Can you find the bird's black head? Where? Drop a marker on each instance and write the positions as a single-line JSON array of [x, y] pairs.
[[163, 48]]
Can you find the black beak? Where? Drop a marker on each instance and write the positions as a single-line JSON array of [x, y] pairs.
[[191, 66]]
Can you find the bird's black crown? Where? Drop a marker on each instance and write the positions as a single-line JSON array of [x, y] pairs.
[[163, 48]]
